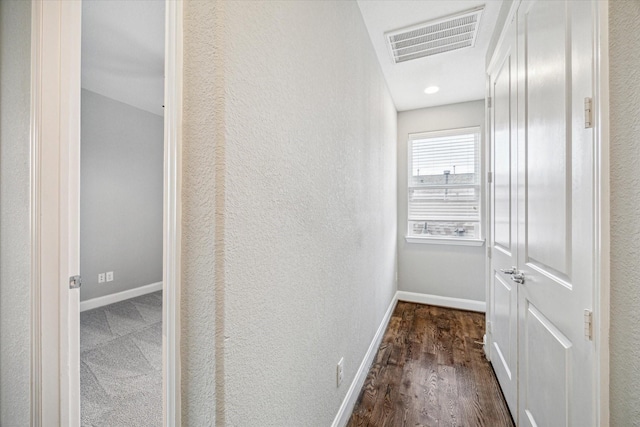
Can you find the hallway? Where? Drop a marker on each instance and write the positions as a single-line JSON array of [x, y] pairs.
[[430, 370], [373, 213]]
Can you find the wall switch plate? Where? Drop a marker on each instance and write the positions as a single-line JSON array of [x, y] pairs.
[[101, 278], [340, 371], [109, 276]]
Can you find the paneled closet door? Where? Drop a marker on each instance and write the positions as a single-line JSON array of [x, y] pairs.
[[555, 213], [503, 207]]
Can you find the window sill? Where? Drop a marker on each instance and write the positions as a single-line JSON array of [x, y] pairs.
[[444, 241]]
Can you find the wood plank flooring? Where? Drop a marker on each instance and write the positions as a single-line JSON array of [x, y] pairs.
[[430, 370]]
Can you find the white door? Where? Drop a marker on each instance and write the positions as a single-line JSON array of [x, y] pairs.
[[542, 222], [555, 213], [503, 242]]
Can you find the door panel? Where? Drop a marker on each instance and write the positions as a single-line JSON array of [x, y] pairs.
[[546, 370], [505, 329], [503, 291], [548, 169], [502, 189], [555, 225]]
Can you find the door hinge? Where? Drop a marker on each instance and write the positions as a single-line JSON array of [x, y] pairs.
[[588, 324], [490, 177], [588, 113], [488, 326], [75, 282], [489, 252], [489, 102]]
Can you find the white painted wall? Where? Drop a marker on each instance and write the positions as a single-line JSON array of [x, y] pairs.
[[15, 304], [293, 146], [624, 45], [442, 270], [122, 150]]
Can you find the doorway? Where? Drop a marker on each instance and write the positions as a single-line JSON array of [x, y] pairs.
[[55, 208], [121, 212]]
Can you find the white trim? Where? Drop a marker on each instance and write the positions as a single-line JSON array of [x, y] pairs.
[[601, 297], [35, 142], [488, 337], [503, 33], [444, 241], [69, 193], [54, 166], [92, 303], [444, 132], [172, 211], [349, 401], [449, 302]]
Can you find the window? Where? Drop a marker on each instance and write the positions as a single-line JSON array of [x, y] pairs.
[[444, 185]]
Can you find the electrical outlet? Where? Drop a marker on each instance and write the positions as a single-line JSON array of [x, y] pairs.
[[101, 278], [340, 371], [109, 276]]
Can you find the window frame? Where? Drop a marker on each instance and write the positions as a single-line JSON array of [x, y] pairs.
[[444, 240]]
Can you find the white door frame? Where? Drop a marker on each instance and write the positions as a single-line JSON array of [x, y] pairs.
[[602, 286], [172, 234], [55, 184], [601, 296]]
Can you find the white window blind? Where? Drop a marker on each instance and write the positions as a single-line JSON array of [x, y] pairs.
[[444, 184]]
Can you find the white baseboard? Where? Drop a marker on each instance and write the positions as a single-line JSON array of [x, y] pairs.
[[459, 303], [349, 402], [119, 296]]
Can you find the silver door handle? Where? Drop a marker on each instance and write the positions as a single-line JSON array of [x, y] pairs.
[[512, 270], [518, 278]]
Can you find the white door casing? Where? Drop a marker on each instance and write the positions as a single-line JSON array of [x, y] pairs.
[[503, 207], [555, 213], [172, 215], [55, 163]]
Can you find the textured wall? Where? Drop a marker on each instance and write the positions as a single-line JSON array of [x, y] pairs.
[[121, 196], [443, 270], [294, 146], [310, 208], [15, 305], [203, 167], [624, 45]]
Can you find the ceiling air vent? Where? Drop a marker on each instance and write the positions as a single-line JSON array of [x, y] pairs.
[[442, 35]]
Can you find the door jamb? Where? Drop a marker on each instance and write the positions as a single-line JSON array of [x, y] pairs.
[[172, 239], [601, 297], [54, 208]]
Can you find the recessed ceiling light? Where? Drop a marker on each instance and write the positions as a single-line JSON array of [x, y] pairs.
[[431, 90]]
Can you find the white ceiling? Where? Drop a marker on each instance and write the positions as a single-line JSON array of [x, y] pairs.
[[123, 51], [460, 74]]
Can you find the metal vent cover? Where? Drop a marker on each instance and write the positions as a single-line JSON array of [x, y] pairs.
[[429, 38]]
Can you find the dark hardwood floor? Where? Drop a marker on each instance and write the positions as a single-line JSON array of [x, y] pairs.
[[430, 370]]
